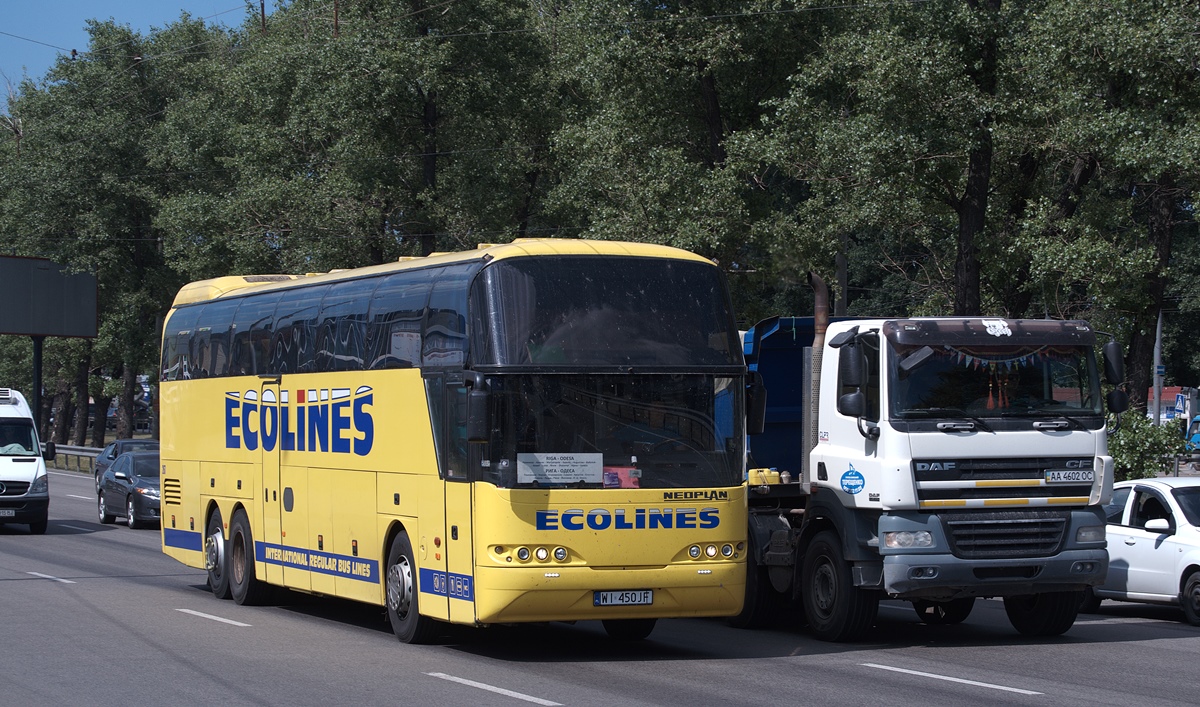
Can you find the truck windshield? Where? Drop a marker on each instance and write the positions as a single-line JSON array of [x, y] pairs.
[[16, 439], [616, 431], [993, 381]]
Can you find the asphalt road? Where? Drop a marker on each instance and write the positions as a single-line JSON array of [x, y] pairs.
[[94, 614]]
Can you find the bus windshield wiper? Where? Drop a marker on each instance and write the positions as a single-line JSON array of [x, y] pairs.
[[946, 412]]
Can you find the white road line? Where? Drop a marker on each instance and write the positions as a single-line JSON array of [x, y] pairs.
[[950, 679], [214, 618], [497, 690], [50, 577], [85, 498], [72, 527]]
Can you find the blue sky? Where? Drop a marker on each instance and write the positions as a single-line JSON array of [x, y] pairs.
[[28, 26]]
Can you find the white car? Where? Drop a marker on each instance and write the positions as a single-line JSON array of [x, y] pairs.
[[1153, 545]]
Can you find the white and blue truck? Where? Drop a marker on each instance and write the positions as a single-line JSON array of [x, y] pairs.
[[934, 460]]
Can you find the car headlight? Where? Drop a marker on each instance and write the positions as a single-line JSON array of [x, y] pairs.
[[908, 538], [40, 485], [149, 492]]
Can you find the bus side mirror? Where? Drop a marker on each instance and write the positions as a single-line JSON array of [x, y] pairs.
[[478, 427], [756, 404], [49, 452], [1114, 363]]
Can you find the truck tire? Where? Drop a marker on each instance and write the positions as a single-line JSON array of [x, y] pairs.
[[944, 613], [1090, 603], [836, 610], [1048, 614]]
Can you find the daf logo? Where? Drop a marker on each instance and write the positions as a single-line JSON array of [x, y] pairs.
[[936, 466], [1078, 464]]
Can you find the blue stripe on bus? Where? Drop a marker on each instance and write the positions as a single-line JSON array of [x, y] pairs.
[[183, 539], [314, 561], [447, 584]]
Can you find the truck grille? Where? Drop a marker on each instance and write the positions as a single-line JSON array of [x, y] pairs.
[[1005, 534], [1004, 481]]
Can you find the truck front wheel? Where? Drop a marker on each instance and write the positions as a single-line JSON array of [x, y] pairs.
[[1048, 614], [836, 609]]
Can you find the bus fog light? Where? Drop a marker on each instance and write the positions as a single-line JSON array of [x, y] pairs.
[[560, 554], [711, 551], [741, 546], [522, 554], [1090, 534], [727, 550], [694, 551], [542, 554], [908, 538]]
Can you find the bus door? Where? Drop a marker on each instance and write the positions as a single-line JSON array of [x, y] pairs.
[[457, 476], [267, 535]]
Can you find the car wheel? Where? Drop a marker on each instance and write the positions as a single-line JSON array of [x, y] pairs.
[[1047, 614], [38, 527], [836, 610], [216, 557], [1191, 599], [944, 613], [102, 510], [402, 602], [130, 515], [245, 587]]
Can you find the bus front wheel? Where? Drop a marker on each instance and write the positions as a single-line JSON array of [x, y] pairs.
[[216, 560], [402, 603], [246, 588]]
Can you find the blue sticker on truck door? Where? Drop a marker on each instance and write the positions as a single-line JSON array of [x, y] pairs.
[[852, 481]]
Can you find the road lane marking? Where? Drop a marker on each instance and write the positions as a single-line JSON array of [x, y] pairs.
[[72, 527], [497, 690], [82, 498], [50, 577], [202, 615], [947, 678]]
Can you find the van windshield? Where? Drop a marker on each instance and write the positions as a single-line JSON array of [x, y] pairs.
[[16, 438]]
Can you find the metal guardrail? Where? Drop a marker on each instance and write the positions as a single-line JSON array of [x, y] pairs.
[[75, 458]]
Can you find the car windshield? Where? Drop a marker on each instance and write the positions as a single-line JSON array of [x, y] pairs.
[[16, 439], [145, 467], [1189, 500]]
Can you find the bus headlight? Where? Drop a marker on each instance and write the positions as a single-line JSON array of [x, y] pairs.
[[560, 554], [711, 551], [694, 551], [542, 554], [1090, 534], [908, 538], [523, 554], [727, 550]]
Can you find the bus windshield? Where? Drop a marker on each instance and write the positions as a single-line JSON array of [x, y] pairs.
[[603, 312], [616, 431]]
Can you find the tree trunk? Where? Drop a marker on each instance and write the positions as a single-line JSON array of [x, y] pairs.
[[100, 419], [125, 409], [82, 369]]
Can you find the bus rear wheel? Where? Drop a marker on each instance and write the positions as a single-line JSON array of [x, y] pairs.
[[629, 629], [402, 602], [216, 560], [245, 587]]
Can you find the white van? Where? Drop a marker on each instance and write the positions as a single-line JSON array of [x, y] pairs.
[[24, 485]]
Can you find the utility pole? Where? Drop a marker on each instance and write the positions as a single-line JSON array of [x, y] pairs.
[[1159, 372], [262, 11]]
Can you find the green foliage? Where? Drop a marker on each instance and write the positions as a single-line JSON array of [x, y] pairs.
[[1140, 450]]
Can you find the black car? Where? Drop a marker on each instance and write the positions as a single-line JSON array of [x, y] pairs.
[[110, 453], [130, 488]]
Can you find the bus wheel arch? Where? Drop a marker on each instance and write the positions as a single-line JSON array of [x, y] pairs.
[[216, 557]]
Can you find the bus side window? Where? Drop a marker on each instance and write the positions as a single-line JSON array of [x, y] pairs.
[[445, 329], [293, 345], [252, 335], [342, 325], [216, 323], [394, 320], [176, 342]]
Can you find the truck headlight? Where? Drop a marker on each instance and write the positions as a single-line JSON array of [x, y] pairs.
[[908, 538], [40, 486], [1090, 534]]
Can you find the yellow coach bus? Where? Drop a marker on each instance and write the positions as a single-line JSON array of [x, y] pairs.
[[538, 431]]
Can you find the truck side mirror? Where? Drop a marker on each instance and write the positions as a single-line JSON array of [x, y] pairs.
[[756, 404], [479, 426], [853, 404], [850, 366], [1118, 401], [1114, 363]]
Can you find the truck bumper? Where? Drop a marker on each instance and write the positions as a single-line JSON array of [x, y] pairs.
[[945, 577]]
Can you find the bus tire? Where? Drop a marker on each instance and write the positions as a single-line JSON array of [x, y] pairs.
[[246, 588], [216, 558], [1046, 614], [836, 610], [760, 600], [629, 629], [944, 613], [403, 604]]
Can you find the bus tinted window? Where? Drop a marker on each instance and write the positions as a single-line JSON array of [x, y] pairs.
[[252, 334], [211, 339], [604, 311], [394, 320], [293, 346], [445, 342], [177, 335], [342, 325]]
